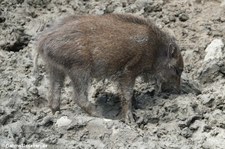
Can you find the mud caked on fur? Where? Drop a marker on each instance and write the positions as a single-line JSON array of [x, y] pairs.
[[123, 46]]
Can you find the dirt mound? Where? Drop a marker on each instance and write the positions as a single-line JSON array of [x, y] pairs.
[[194, 119]]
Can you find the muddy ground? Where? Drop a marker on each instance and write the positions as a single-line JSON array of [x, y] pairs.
[[193, 120]]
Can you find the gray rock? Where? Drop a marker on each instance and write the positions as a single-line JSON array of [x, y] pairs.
[[207, 100], [142, 3], [109, 9], [172, 18], [195, 126], [222, 3], [183, 17], [2, 19], [186, 132], [64, 121], [209, 71], [214, 50]]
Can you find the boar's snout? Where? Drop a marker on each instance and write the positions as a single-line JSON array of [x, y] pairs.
[[173, 86], [170, 80]]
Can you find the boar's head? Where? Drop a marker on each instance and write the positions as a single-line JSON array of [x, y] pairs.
[[169, 68]]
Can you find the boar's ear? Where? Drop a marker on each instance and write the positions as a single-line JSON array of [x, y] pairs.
[[172, 50]]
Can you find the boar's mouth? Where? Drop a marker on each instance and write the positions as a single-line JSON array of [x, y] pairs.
[[170, 88]]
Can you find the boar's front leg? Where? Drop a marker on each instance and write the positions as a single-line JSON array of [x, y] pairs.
[[127, 81], [57, 78], [158, 86], [80, 81]]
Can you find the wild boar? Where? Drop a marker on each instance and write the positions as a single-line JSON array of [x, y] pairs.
[[118, 45]]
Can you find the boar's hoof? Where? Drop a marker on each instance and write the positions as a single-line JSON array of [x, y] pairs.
[[54, 109], [129, 119], [93, 110]]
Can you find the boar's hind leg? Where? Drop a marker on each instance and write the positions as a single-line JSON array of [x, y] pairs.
[[81, 81], [126, 85], [57, 78]]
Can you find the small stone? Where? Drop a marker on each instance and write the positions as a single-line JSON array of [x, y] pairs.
[[33, 14], [214, 133], [2, 111], [222, 19], [109, 9], [198, 1], [207, 128], [221, 124], [209, 71], [161, 132], [182, 125], [51, 140], [142, 3], [186, 132], [192, 119], [183, 17], [2, 19], [34, 91], [166, 20], [63, 122], [207, 100], [172, 18], [214, 50], [20, 1], [222, 3], [148, 8], [124, 4], [172, 108], [157, 8], [178, 13], [47, 121], [194, 127]]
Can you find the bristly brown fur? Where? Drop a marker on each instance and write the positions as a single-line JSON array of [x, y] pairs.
[[141, 21], [123, 46]]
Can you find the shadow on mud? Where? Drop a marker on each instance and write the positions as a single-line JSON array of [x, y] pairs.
[[110, 103]]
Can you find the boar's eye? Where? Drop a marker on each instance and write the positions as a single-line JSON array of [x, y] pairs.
[[172, 50], [178, 71]]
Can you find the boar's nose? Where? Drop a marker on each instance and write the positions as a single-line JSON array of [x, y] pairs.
[[171, 88], [176, 90]]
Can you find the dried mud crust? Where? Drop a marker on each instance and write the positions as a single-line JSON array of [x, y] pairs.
[[194, 119]]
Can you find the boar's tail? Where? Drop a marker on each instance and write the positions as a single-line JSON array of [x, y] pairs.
[[36, 71], [38, 50]]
